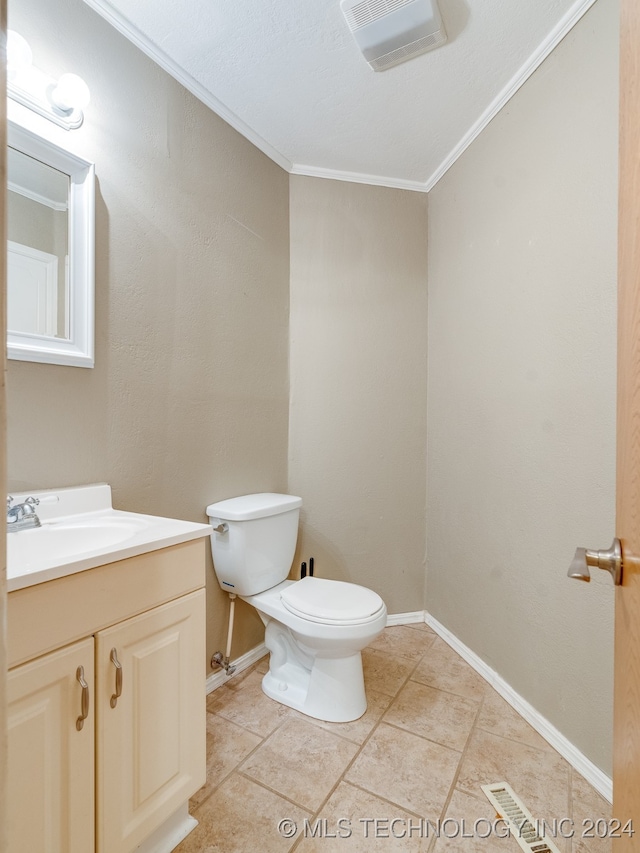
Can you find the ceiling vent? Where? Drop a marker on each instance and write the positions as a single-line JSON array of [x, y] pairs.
[[391, 31]]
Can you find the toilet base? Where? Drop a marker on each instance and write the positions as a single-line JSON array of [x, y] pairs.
[[323, 684], [332, 689]]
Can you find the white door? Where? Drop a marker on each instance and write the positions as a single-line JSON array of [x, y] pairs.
[[32, 290]]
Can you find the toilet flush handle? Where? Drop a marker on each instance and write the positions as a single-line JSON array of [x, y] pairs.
[[221, 528]]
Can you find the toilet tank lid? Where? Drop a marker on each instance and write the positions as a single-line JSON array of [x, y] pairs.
[[248, 507]]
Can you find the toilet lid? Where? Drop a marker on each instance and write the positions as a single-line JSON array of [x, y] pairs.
[[335, 602]]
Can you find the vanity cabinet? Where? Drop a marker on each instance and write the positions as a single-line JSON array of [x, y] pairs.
[[51, 764], [150, 752], [109, 784]]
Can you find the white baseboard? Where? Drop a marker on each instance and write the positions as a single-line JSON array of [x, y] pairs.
[[217, 679], [596, 777], [220, 677], [170, 833], [405, 618]]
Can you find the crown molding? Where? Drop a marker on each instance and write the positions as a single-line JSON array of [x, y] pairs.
[[133, 34], [358, 178], [38, 197], [564, 26]]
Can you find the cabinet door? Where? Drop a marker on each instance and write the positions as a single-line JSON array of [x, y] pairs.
[[50, 805], [151, 742]]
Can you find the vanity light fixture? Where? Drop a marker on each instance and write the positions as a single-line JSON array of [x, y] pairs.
[[61, 101]]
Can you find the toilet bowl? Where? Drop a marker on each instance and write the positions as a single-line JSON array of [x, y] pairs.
[[315, 664], [315, 628]]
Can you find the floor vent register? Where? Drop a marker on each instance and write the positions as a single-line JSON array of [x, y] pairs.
[[524, 828]]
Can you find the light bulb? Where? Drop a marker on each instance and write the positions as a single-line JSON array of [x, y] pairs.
[[19, 54], [71, 93]]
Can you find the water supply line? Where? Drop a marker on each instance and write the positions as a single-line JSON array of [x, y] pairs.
[[217, 659]]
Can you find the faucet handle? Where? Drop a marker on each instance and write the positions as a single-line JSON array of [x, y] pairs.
[[29, 506]]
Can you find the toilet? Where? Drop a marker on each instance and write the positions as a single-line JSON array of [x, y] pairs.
[[315, 628]]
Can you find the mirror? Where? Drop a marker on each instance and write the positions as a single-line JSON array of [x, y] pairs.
[[50, 252]]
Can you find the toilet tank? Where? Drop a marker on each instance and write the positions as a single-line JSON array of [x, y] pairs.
[[256, 550]]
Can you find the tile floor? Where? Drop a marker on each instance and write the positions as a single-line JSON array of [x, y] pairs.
[[433, 733]]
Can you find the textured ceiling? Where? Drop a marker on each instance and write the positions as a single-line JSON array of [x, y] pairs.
[[289, 76]]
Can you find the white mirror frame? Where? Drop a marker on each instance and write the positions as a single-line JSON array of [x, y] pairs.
[[78, 349]]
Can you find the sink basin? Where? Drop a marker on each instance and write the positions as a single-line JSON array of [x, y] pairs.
[[81, 530], [55, 540]]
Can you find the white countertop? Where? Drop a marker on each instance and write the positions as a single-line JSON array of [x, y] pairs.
[[81, 530]]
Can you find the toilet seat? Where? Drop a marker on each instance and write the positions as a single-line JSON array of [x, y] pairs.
[[331, 602]]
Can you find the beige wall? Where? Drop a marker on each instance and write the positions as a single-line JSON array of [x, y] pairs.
[[358, 383], [189, 399], [188, 402], [521, 431]]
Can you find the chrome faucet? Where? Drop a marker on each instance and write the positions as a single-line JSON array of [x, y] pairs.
[[22, 516]]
